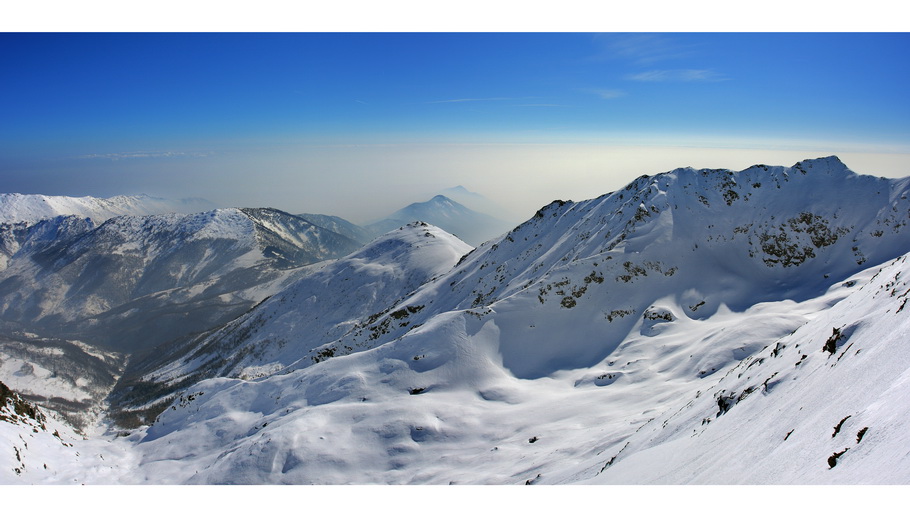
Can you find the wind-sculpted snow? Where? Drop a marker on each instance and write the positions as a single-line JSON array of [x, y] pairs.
[[825, 404]]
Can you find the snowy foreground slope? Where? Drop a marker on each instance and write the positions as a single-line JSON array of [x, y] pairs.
[[826, 404], [698, 326]]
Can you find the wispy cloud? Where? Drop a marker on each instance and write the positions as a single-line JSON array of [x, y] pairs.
[[683, 75], [146, 154], [471, 100], [641, 49], [544, 105], [605, 93]]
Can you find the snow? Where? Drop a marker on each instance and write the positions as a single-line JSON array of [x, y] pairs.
[[784, 431], [354, 419], [318, 307], [679, 331], [32, 208]]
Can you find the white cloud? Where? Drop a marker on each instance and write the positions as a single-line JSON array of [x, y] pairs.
[[681, 75]]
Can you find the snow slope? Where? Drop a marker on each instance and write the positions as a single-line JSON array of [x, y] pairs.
[[324, 303], [37, 447], [825, 404], [436, 407]]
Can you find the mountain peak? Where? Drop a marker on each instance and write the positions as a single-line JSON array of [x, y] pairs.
[[829, 164], [471, 226], [440, 198]]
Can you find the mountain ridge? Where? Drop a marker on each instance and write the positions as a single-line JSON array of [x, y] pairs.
[[316, 308], [66, 284], [634, 336], [31, 208]]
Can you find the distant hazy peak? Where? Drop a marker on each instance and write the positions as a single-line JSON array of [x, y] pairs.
[[440, 199], [460, 189]]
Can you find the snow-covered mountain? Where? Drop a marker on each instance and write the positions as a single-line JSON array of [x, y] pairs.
[[340, 226], [324, 303], [708, 239], [137, 281], [696, 326], [31, 208], [36, 236], [436, 407], [470, 226]]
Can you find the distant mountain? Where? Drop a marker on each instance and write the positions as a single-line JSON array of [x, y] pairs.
[[470, 226], [477, 202], [464, 196], [30, 208], [291, 241], [35, 236], [340, 226], [137, 281]]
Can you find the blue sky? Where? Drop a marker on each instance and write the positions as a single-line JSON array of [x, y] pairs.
[[294, 120]]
